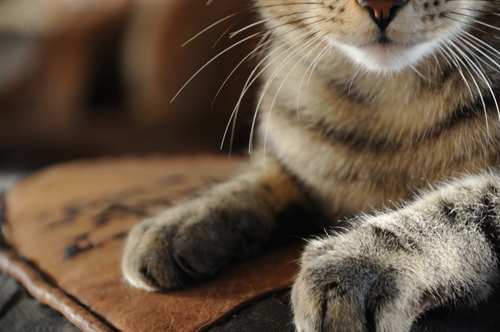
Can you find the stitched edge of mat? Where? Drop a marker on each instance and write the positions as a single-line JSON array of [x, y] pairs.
[[42, 290], [75, 312], [39, 286]]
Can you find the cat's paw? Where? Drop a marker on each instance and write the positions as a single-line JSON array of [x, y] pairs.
[[189, 243], [357, 282]]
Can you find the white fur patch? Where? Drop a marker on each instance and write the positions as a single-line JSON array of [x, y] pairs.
[[386, 58]]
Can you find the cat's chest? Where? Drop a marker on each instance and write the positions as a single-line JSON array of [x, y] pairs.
[[352, 173]]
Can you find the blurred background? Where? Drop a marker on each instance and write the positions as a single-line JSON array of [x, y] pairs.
[[93, 78]]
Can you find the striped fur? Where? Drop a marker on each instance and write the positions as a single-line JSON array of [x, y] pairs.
[[344, 132]]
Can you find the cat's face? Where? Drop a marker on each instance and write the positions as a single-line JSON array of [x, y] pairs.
[[386, 35]]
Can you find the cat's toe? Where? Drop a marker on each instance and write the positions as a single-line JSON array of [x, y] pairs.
[[187, 245], [340, 292], [333, 298], [149, 262]]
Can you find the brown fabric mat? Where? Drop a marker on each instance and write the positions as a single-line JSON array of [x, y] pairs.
[[68, 223]]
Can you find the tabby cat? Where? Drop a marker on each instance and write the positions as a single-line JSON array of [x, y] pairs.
[[380, 109]]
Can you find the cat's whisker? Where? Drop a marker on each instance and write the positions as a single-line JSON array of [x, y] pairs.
[[229, 48], [209, 62], [482, 42], [475, 20], [224, 34], [210, 27], [247, 10], [481, 11], [299, 96], [268, 83], [254, 75], [353, 79], [316, 63], [420, 74], [483, 75], [266, 20], [317, 41], [478, 70], [436, 61], [473, 27], [259, 103], [253, 78], [453, 63], [494, 66], [262, 45], [250, 81], [459, 60]]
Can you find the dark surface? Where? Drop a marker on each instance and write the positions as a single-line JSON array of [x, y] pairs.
[[269, 314], [21, 313], [273, 314]]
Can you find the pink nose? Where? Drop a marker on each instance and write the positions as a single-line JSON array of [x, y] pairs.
[[382, 11], [381, 8]]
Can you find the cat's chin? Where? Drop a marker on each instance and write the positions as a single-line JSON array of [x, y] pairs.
[[386, 57]]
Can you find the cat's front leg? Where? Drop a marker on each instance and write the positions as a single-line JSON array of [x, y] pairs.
[[194, 240], [392, 267]]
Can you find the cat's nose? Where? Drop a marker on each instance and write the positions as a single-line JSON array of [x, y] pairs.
[[382, 11]]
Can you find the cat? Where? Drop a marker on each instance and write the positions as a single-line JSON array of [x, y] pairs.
[[382, 111]]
